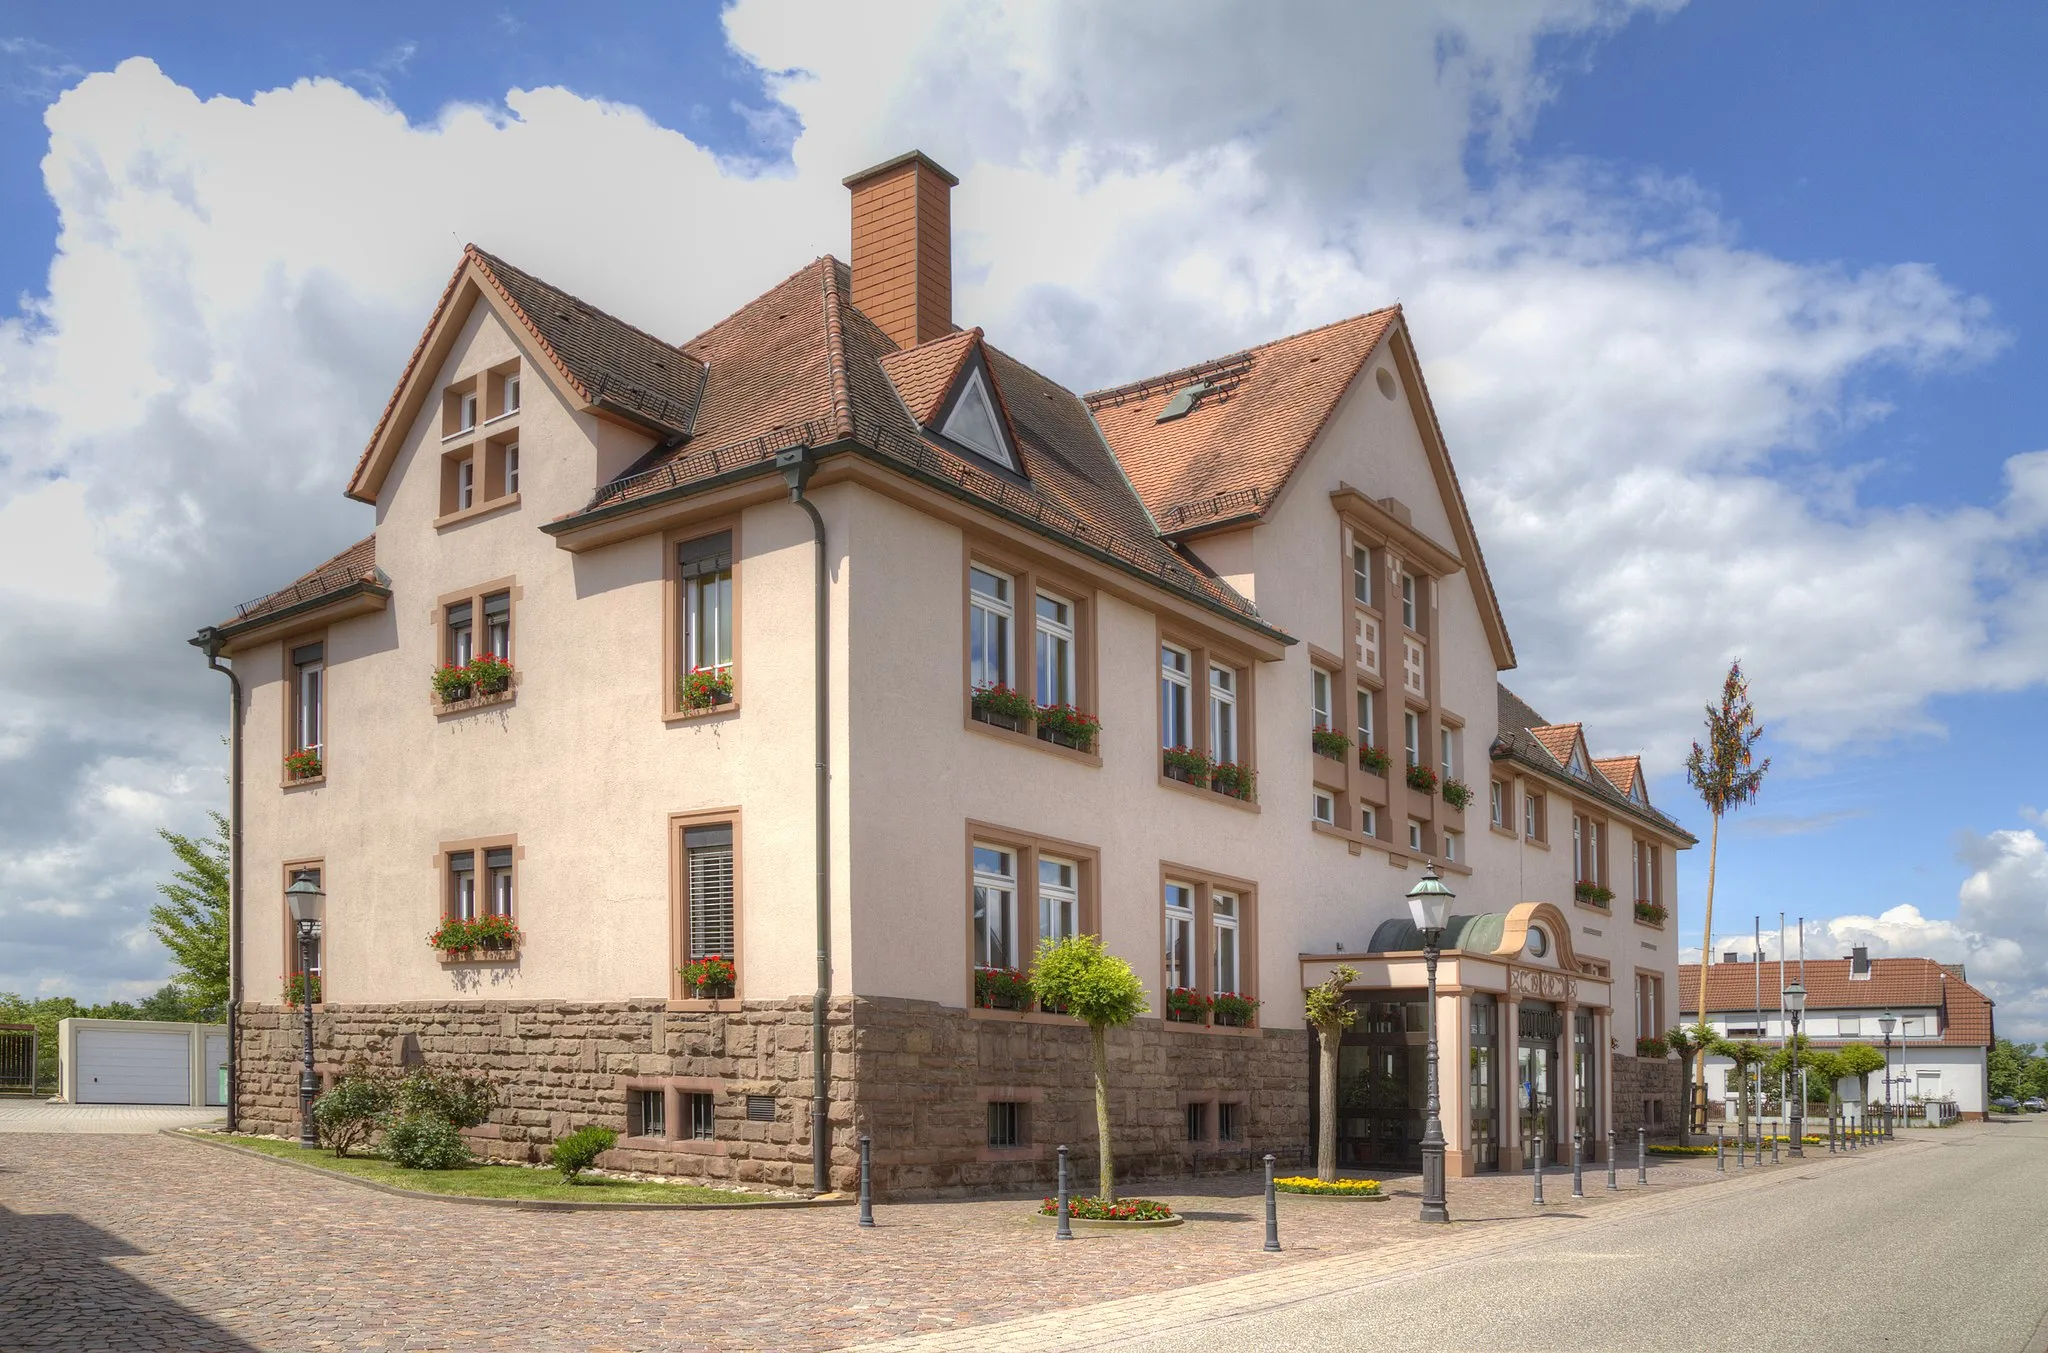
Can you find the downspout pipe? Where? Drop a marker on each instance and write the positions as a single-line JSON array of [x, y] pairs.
[[209, 642], [796, 464]]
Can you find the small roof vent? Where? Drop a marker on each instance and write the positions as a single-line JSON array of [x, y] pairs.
[[1183, 403]]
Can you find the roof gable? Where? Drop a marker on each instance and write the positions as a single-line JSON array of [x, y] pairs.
[[1625, 773], [1901, 984], [1527, 739]]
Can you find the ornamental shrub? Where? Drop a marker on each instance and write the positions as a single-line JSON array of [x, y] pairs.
[[462, 1101], [1064, 721], [1238, 781], [422, 1141], [495, 932], [1001, 988], [1102, 991], [302, 764], [1193, 766], [489, 673], [355, 1109], [578, 1151], [713, 971], [1234, 1009]]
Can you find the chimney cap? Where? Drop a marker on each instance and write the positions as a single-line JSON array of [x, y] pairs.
[[897, 162]]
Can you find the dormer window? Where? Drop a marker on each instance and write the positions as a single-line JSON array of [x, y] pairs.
[[1578, 763], [972, 422], [1636, 794]]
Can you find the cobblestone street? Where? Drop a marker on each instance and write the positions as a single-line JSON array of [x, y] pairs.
[[152, 1243]]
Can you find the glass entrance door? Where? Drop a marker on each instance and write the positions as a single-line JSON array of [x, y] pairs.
[[1536, 1078], [1482, 1106]]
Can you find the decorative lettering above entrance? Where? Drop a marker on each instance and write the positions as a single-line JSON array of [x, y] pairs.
[[1546, 986]]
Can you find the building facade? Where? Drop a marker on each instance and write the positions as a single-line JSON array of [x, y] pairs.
[[1941, 1035], [1205, 664]]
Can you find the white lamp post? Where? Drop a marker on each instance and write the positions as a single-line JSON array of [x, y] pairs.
[[307, 904], [1795, 1006], [1429, 903], [1886, 1023]]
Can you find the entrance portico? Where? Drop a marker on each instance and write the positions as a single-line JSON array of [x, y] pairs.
[[1515, 1011]]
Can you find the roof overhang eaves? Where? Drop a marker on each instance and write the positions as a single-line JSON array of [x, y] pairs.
[[1438, 559], [1559, 777], [357, 598]]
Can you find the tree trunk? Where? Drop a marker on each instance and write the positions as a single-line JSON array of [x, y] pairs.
[[1326, 1118], [1107, 1181], [1685, 1110], [1707, 952]]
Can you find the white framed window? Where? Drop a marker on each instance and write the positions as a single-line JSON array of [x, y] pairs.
[[498, 873], [1408, 601], [1323, 808], [512, 394], [1848, 1026], [973, 422], [465, 482], [300, 963], [1532, 816], [1454, 847], [1447, 740], [995, 907], [461, 633], [1180, 935], [1361, 575], [512, 467], [1411, 725], [1223, 712], [1055, 650], [1223, 942], [1365, 719], [708, 877], [309, 685], [1496, 794], [1913, 1026], [1368, 819], [462, 885], [1593, 853], [1176, 694], [1579, 849], [704, 567], [498, 625], [1414, 834], [990, 611], [1319, 701], [466, 413], [1059, 898]]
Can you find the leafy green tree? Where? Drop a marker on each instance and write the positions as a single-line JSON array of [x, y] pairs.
[[2011, 1069], [1096, 987], [192, 920], [1690, 1043], [1330, 1014], [171, 1002], [1747, 1056], [1727, 776], [1859, 1060]]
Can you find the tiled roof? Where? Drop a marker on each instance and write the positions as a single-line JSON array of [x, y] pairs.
[[800, 364], [924, 375], [1900, 983], [1234, 449], [1527, 738], [356, 564], [1621, 771]]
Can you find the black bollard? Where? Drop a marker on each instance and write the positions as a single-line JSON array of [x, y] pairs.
[[1851, 1133], [1272, 1209], [1610, 1160], [1741, 1150], [1774, 1148], [1538, 1174], [1065, 1230], [1831, 1129], [867, 1167], [1578, 1150], [1642, 1155], [1720, 1150]]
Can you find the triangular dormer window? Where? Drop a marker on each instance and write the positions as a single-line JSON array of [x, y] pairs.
[[1635, 792], [973, 422], [1578, 763]]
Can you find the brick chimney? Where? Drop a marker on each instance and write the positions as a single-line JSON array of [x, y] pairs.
[[903, 247]]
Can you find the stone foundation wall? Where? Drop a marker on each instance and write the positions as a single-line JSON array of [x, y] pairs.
[[1656, 1082], [916, 1076]]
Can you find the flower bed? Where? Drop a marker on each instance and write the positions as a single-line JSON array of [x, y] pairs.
[[1421, 778], [1329, 742], [495, 936], [710, 978], [1593, 894], [480, 676], [1665, 1149], [1373, 759], [1331, 1188], [1121, 1209], [1002, 989]]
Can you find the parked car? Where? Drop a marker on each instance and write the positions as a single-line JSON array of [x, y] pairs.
[[2006, 1104], [2035, 1105]]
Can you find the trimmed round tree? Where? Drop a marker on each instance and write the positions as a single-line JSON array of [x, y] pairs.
[[1099, 989], [1329, 1014], [1689, 1042]]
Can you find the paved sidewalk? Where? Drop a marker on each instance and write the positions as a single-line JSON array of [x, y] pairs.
[[36, 1115]]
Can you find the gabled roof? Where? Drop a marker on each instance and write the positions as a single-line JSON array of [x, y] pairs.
[[925, 375], [603, 363], [1898, 983], [1625, 773], [1528, 739], [356, 564]]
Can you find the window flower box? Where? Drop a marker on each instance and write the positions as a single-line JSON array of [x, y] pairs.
[[1421, 779], [1593, 894], [485, 938], [1185, 1005], [1001, 707], [303, 764], [1329, 742], [1651, 913], [706, 688], [1002, 989], [1187, 765], [1234, 780], [1232, 1010], [1065, 726], [711, 978], [490, 674], [1457, 793], [1372, 759], [1651, 1047], [295, 989], [452, 684]]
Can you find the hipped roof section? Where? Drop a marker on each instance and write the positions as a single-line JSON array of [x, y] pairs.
[[354, 567]]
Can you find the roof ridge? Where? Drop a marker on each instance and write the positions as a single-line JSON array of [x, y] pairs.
[[419, 350], [492, 260], [835, 355], [741, 309], [484, 262], [1129, 387]]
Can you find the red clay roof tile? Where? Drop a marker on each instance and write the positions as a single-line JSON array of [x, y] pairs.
[[1901, 983]]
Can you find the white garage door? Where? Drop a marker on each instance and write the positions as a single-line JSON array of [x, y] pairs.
[[122, 1066]]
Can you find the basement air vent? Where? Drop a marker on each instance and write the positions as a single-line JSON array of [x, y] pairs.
[[760, 1108]]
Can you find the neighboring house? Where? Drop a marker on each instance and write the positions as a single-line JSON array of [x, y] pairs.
[[1046, 617], [1940, 1046]]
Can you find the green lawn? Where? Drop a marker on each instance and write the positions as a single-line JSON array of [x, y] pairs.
[[495, 1181]]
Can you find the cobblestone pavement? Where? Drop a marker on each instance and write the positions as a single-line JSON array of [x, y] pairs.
[[38, 1115], [151, 1243]]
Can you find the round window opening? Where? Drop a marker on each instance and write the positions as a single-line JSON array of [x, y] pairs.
[[1386, 381], [1539, 943]]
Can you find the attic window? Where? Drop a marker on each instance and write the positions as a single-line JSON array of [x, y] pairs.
[[1578, 766], [1635, 791], [972, 423], [1183, 403]]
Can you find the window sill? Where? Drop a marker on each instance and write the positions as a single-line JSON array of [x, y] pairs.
[[1227, 800], [726, 1005], [483, 509], [454, 707], [681, 1146], [1536, 842], [1022, 1016], [1499, 830], [1404, 858], [466, 957], [1020, 738], [1649, 925], [998, 1155], [1174, 1026], [1353, 839], [290, 783], [675, 716], [1584, 905], [461, 434]]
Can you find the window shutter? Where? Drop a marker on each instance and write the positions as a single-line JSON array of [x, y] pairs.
[[497, 606], [306, 655], [708, 852], [705, 555], [458, 615], [499, 857]]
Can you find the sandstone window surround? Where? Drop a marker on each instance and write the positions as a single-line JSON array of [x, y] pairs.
[[315, 871], [701, 588], [1589, 860], [1213, 1121], [1648, 871], [472, 622], [1535, 827], [1010, 1126], [1193, 934], [1030, 628], [305, 710], [479, 445], [479, 878], [687, 1115], [1023, 888], [707, 912], [1499, 799], [1649, 1003], [1206, 701]]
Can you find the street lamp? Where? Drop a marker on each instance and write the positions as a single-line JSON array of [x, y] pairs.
[[306, 903], [1886, 1023], [1429, 903], [1795, 1005]]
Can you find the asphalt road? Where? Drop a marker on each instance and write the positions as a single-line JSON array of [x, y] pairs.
[[1939, 1244]]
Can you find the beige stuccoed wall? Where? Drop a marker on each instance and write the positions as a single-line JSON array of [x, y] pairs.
[[580, 766]]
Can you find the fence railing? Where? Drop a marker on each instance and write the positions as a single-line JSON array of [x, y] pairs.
[[18, 1059]]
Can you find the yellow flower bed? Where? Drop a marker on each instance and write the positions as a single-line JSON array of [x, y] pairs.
[[1349, 1188]]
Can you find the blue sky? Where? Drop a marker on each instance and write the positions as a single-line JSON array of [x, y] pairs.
[[1820, 223]]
